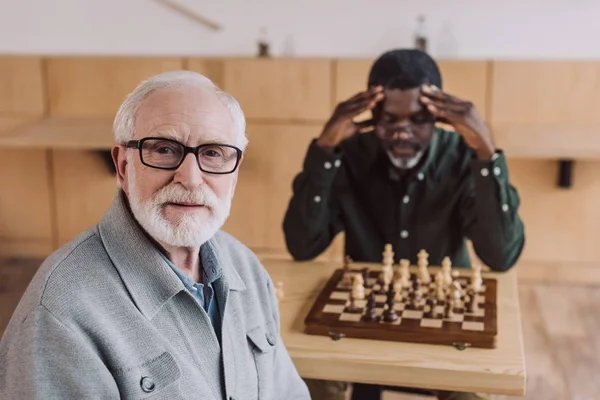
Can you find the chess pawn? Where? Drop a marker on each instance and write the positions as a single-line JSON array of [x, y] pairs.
[[439, 286], [447, 271], [423, 263], [358, 290], [366, 281], [389, 314], [371, 312], [405, 273], [456, 293], [476, 280], [388, 255]]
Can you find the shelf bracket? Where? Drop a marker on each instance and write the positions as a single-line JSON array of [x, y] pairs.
[[565, 173]]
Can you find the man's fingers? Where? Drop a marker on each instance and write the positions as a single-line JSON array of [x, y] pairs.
[[371, 93], [435, 93], [362, 105], [370, 123], [443, 113], [449, 106]]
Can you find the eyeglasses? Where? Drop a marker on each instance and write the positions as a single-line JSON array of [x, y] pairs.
[[168, 154]]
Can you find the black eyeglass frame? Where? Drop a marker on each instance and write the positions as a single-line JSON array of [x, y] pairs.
[[139, 144]]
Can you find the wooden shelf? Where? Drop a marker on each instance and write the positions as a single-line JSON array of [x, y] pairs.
[[538, 141], [62, 133]]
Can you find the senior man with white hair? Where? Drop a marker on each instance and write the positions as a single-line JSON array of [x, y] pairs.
[[155, 301]]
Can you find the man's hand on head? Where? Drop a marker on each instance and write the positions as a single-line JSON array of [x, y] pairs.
[[341, 125], [463, 116]]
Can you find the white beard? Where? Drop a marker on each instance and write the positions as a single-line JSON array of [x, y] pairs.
[[190, 230], [405, 163]]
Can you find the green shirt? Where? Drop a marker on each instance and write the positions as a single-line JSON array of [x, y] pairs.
[[451, 197]]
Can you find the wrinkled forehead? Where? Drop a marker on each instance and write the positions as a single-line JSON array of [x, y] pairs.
[[402, 102], [191, 115]]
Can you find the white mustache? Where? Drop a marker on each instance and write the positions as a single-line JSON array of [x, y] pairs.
[[175, 193]]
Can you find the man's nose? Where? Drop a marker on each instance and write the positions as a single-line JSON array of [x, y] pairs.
[[189, 174]]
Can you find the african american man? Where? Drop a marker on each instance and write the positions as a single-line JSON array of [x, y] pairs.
[[405, 181]]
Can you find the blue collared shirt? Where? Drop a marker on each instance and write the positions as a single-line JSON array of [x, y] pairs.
[[204, 294]]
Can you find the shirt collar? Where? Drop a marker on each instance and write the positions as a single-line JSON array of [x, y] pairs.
[[211, 268]]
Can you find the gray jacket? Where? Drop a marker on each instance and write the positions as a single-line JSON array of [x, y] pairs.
[[106, 318]]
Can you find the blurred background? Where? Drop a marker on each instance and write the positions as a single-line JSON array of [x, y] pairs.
[[531, 68]]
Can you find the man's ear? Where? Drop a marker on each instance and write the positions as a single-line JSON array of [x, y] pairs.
[[119, 156]]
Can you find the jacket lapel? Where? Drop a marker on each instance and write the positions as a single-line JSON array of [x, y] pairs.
[[144, 272]]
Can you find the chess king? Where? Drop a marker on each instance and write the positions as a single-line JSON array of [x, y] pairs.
[[403, 179]]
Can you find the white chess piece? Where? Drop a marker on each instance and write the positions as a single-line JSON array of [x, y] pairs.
[[387, 272], [358, 289], [447, 271], [439, 286], [476, 280], [405, 273], [457, 293], [423, 263]]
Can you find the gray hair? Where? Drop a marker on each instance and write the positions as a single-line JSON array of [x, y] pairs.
[[123, 125]]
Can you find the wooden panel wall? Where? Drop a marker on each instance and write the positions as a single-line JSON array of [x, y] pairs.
[[274, 157], [26, 203], [95, 87], [280, 89], [543, 109], [56, 194], [21, 86]]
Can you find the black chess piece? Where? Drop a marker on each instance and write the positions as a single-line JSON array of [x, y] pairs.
[[390, 315], [431, 308], [371, 313], [366, 279]]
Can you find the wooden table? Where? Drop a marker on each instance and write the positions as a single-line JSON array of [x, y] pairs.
[[498, 371]]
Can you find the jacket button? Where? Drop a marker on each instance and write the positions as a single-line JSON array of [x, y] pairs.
[[270, 339], [147, 384]]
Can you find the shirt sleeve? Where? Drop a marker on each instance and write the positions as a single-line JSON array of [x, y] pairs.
[[313, 219], [46, 360], [490, 213]]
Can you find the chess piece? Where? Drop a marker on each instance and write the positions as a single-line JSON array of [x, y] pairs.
[[439, 286], [447, 271], [456, 293], [387, 272], [358, 290], [423, 263], [389, 314], [429, 308], [366, 281], [405, 273], [371, 313], [347, 274], [476, 280], [352, 308], [473, 302]]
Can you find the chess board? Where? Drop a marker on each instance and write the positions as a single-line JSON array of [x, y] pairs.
[[330, 316]]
